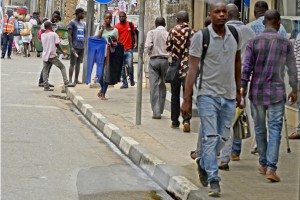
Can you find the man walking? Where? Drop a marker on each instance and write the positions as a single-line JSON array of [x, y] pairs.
[[76, 31], [265, 61], [178, 43], [296, 134], [155, 48], [232, 148], [9, 24], [219, 94], [128, 37]]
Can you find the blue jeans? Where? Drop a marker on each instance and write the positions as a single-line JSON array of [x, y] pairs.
[[103, 84], [268, 151], [216, 115], [7, 44], [128, 60], [232, 146]]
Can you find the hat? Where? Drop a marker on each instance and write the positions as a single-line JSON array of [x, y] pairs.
[[78, 11]]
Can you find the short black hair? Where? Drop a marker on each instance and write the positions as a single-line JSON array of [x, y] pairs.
[[78, 11], [261, 6], [47, 24], [272, 15], [56, 12], [35, 13], [122, 12], [182, 16], [160, 21]]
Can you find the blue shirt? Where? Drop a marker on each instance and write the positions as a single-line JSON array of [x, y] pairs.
[[15, 23], [258, 27]]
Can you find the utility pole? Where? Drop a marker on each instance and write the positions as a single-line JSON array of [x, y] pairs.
[[90, 28], [140, 64]]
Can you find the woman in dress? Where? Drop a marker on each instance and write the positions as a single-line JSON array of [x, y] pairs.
[[27, 38]]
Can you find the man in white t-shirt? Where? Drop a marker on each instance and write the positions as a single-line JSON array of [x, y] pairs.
[[50, 42]]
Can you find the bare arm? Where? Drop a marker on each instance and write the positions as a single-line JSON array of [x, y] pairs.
[[70, 33], [60, 49], [238, 76], [136, 40]]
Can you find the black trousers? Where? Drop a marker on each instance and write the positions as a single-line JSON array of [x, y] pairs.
[[175, 101]]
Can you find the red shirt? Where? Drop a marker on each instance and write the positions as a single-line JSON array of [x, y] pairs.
[[125, 34]]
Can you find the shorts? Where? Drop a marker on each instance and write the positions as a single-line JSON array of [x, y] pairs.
[[74, 60]]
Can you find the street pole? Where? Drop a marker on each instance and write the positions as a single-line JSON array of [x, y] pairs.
[[90, 28], [140, 64]]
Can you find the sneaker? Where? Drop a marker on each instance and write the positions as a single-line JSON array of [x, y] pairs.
[[69, 84], [234, 157], [215, 189], [272, 176], [202, 173], [262, 169], [224, 166], [186, 127], [42, 85], [48, 89], [254, 151], [124, 87]]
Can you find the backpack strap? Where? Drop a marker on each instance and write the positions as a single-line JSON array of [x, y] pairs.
[[234, 33], [205, 44]]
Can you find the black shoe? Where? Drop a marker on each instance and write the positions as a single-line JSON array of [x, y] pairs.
[[42, 85], [124, 87], [69, 84], [9, 57], [254, 151], [202, 173], [2, 57], [132, 83], [215, 189], [48, 89], [154, 117], [224, 166]]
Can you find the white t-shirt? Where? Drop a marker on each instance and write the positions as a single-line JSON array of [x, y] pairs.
[[49, 40]]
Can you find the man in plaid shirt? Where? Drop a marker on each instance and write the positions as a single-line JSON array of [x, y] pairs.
[[266, 58]]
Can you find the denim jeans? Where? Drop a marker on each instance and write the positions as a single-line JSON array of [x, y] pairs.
[[128, 60], [232, 146], [268, 151], [216, 115], [7, 44]]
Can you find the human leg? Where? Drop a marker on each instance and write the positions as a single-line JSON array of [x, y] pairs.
[[236, 147], [16, 40], [55, 61], [162, 85], [79, 60], [129, 62], [259, 118], [73, 60], [154, 80], [9, 47], [123, 72], [175, 102], [46, 66], [226, 150], [5, 39]]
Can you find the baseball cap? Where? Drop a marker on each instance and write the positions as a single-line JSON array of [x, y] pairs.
[[78, 11]]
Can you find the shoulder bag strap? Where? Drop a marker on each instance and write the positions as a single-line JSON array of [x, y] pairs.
[[205, 44]]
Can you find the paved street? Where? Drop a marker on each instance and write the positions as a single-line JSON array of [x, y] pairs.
[[50, 152]]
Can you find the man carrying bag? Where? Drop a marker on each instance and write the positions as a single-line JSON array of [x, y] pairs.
[[178, 43]]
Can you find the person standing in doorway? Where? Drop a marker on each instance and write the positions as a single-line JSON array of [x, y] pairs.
[[9, 24], [178, 43], [77, 31], [128, 37], [158, 65]]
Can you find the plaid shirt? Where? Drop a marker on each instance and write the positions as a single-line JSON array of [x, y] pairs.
[[175, 43], [265, 59]]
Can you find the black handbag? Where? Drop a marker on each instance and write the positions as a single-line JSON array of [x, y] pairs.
[[174, 66]]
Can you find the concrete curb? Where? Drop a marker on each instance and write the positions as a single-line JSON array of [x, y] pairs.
[[157, 169]]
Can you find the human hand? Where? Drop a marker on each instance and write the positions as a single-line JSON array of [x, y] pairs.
[[292, 97], [135, 45], [186, 108]]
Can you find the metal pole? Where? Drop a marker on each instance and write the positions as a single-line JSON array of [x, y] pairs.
[[140, 64], [89, 28]]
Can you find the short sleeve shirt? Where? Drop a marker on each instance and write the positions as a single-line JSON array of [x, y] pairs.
[[49, 40], [219, 64], [125, 34], [78, 35]]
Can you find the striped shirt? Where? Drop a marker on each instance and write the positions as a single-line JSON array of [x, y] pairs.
[[297, 54], [175, 44], [265, 59]]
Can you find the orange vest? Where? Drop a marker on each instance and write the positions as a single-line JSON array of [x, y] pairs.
[[9, 25]]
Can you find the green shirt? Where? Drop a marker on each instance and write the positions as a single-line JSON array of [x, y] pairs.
[[106, 33]]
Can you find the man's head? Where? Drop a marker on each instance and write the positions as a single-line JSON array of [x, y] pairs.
[[160, 21], [122, 17], [10, 12], [182, 17], [79, 12], [48, 25], [35, 14], [207, 21], [232, 11], [260, 7], [272, 19], [218, 14]]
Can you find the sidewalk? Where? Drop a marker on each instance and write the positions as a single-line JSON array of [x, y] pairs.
[[164, 152]]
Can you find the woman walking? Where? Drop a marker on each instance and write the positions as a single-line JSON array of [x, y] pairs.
[[26, 36]]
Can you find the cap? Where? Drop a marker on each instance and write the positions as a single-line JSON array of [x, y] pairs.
[[78, 11]]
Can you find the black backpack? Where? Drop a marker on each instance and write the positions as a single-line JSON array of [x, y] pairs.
[[205, 44]]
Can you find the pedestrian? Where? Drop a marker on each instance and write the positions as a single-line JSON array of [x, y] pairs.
[[265, 61], [77, 32], [9, 24], [158, 65], [28, 37], [260, 8], [105, 30], [17, 36], [128, 37], [50, 42], [219, 92], [178, 43], [296, 134], [233, 146]]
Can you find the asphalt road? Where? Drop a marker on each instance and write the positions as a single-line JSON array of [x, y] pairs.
[[50, 152]]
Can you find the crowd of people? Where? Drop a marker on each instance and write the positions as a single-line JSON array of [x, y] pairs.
[[232, 65]]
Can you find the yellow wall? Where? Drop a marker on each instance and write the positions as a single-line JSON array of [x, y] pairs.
[[199, 15]]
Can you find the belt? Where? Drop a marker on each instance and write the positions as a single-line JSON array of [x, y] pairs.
[[160, 57]]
